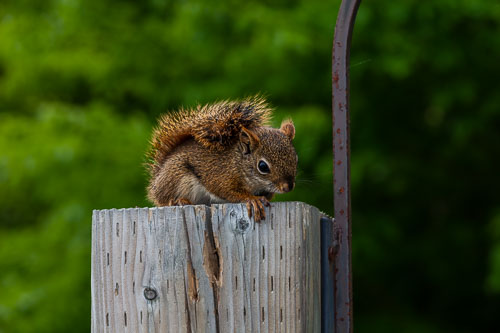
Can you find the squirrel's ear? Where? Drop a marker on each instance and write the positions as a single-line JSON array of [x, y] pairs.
[[288, 129], [248, 140]]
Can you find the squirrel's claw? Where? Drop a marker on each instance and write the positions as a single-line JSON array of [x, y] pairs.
[[249, 208], [256, 209], [265, 201], [179, 202]]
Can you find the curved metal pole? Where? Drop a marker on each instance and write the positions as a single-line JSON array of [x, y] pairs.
[[341, 164]]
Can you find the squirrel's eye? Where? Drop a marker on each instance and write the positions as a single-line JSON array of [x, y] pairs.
[[263, 167]]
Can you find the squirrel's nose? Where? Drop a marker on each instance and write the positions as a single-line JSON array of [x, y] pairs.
[[287, 187]]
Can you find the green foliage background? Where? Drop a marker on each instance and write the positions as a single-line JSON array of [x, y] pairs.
[[81, 83]]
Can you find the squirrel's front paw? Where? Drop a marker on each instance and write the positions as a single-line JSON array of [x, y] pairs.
[[255, 207]]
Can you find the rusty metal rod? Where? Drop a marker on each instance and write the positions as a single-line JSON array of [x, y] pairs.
[[341, 165]]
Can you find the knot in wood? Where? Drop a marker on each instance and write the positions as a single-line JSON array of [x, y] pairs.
[[242, 225], [239, 223], [150, 294]]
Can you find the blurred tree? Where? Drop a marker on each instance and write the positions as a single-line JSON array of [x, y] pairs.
[[64, 162]]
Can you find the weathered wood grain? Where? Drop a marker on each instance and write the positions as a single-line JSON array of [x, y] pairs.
[[206, 269]]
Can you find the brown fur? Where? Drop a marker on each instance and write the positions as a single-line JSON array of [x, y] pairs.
[[211, 155]]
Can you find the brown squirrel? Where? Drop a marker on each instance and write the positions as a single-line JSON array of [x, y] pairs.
[[222, 152]]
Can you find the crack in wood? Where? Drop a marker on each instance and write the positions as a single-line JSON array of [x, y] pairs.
[[186, 302], [192, 283], [212, 262]]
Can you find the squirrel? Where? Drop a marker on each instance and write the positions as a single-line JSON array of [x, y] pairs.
[[221, 152]]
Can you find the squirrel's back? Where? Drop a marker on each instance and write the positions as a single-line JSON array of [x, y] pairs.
[[215, 126]]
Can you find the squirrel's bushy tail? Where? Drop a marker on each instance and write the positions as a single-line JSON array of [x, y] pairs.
[[172, 129], [215, 126]]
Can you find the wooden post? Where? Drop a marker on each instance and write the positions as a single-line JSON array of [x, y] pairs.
[[206, 269]]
